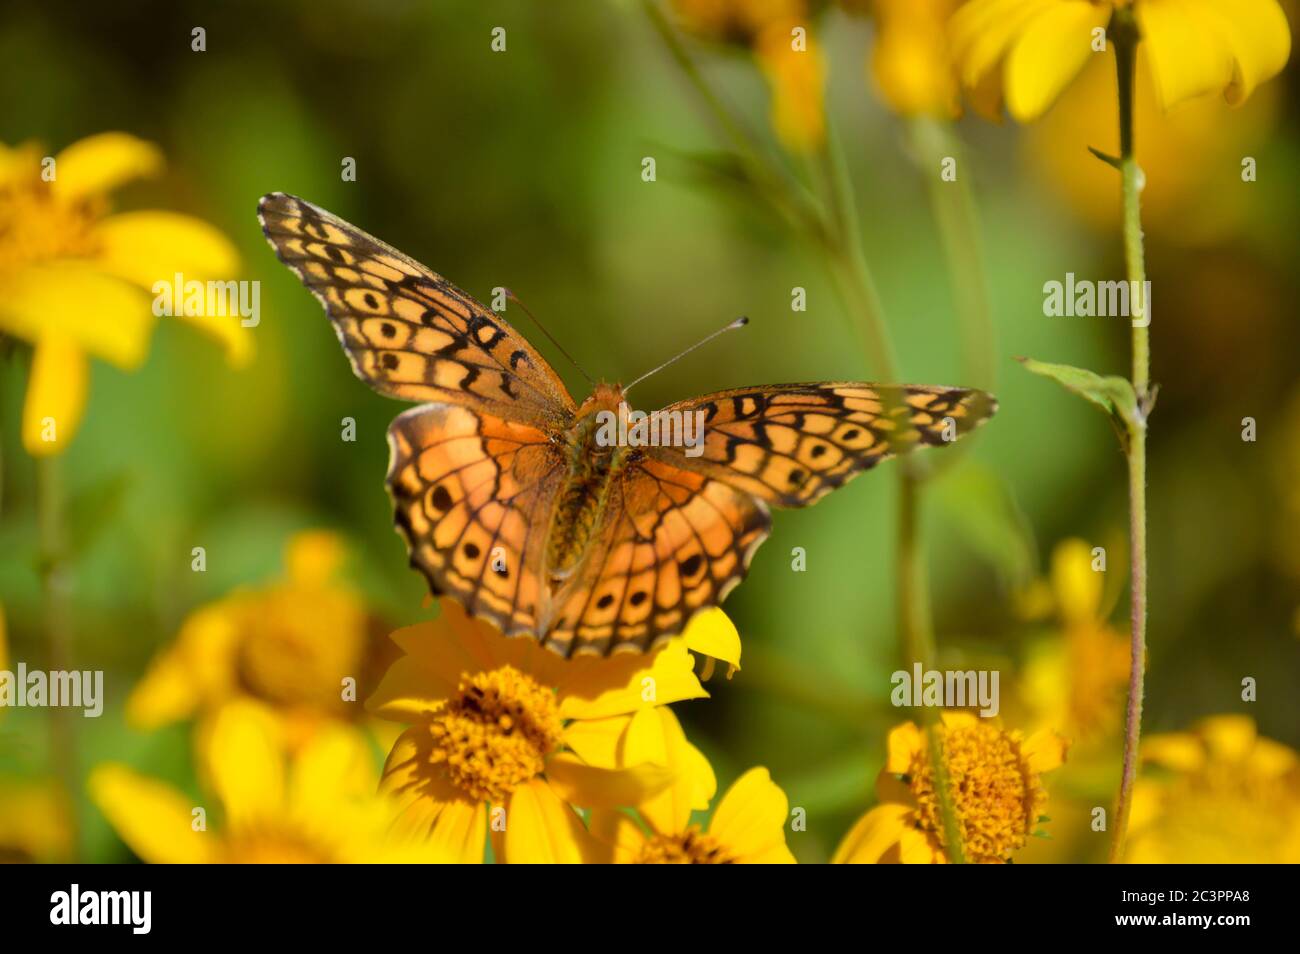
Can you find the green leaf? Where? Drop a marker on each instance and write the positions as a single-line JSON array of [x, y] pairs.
[[1112, 161], [1111, 393]]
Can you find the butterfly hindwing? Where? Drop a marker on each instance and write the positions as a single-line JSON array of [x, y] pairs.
[[674, 542], [473, 495], [409, 332], [792, 444]]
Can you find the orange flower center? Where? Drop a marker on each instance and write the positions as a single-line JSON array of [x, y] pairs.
[[996, 798], [691, 847], [496, 733], [35, 227]]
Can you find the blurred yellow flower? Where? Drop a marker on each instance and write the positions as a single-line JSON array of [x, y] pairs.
[[994, 778], [1028, 51], [507, 735], [747, 827], [910, 63], [302, 645], [1076, 680], [735, 21], [1218, 794], [796, 73], [1187, 155], [278, 806], [35, 821], [75, 281]]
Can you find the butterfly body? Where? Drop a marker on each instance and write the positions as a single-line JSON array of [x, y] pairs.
[[594, 465], [519, 504]]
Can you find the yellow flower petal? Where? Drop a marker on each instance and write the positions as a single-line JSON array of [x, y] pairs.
[[597, 688], [655, 736], [589, 786], [1048, 54], [408, 692], [905, 741], [1174, 750], [198, 669], [598, 741], [617, 835], [98, 164], [56, 396], [153, 819], [333, 766], [1044, 751], [872, 836], [461, 832], [149, 248], [314, 557], [105, 316], [542, 829], [1229, 738], [982, 31], [1076, 586], [916, 847], [1198, 47], [244, 756], [750, 819], [712, 633], [35, 819]]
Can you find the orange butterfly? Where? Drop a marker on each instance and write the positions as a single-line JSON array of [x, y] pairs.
[[514, 501]]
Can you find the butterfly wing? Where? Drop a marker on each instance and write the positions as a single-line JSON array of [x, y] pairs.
[[409, 332], [791, 444], [473, 494], [673, 542]]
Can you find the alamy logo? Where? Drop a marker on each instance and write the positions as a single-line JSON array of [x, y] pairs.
[[212, 299], [1089, 299], [79, 689], [946, 689], [134, 908], [629, 428]]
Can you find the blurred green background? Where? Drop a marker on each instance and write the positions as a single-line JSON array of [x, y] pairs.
[[523, 169]]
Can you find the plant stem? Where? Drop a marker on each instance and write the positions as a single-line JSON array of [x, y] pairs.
[[1125, 38], [54, 584]]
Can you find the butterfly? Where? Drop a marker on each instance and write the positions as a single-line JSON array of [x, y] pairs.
[[513, 500]]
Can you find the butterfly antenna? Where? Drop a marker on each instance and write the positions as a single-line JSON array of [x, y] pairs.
[[549, 337], [731, 326]]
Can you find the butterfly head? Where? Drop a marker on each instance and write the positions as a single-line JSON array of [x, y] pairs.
[[604, 397]]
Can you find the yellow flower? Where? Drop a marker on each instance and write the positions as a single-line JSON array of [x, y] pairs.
[[747, 827], [291, 644], [313, 805], [507, 735], [35, 821], [994, 778], [1219, 794], [1028, 51], [76, 282], [911, 63], [1077, 680], [1184, 154]]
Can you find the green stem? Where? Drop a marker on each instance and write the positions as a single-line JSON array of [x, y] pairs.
[[55, 586], [1125, 38]]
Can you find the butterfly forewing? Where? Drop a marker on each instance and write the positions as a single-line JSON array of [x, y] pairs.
[[409, 332], [791, 444]]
